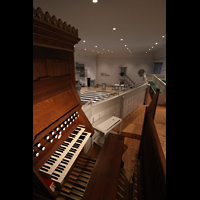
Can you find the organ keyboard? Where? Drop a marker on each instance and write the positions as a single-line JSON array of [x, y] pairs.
[[60, 162]]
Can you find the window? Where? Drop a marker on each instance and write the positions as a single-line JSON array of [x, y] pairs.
[[158, 68]]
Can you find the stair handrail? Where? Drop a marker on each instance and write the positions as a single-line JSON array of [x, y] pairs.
[[129, 79]]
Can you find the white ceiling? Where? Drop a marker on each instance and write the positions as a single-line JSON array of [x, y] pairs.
[[140, 23]]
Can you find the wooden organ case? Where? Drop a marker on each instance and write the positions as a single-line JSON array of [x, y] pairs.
[[60, 127]]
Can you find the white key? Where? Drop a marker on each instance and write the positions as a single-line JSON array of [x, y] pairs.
[[72, 160], [58, 160]]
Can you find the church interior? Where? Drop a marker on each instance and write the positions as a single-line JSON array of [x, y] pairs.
[[99, 100]]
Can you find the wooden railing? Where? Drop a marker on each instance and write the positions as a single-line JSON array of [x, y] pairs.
[[152, 163]]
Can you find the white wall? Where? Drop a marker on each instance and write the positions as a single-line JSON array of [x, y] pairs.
[[110, 66], [90, 66], [95, 65]]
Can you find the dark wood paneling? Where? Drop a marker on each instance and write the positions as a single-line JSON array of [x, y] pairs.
[[104, 179], [152, 161]]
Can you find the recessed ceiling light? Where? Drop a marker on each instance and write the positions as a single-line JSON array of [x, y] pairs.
[[149, 49], [83, 40], [121, 39], [85, 49], [97, 51], [163, 36], [108, 50], [146, 52], [152, 47], [125, 45], [96, 46], [156, 43], [95, 1], [114, 29]]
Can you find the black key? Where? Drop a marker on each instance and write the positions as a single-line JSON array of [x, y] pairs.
[[60, 150], [61, 166], [72, 150], [82, 137], [75, 132], [67, 156], [58, 170], [73, 135], [56, 155], [53, 159], [46, 166], [65, 160], [69, 140], [76, 145], [56, 174], [84, 133], [79, 141], [54, 177], [50, 163], [44, 169], [65, 144], [78, 129], [66, 163]]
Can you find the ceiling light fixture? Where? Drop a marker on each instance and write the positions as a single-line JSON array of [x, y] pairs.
[[156, 43], [95, 1], [163, 36], [125, 45], [121, 39], [114, 29], [83, 40], [96, 46]]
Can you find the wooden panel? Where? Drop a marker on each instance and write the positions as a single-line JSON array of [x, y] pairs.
[[39, 68], [104, 179], [46, 35], [52, 98], [61, 67], [52, 62]]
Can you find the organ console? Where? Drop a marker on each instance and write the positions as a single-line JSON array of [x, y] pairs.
[[60, 127]]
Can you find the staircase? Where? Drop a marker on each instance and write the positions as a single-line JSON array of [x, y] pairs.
[[126, 79]]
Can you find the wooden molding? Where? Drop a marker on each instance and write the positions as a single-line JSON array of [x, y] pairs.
[[52, 21]]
